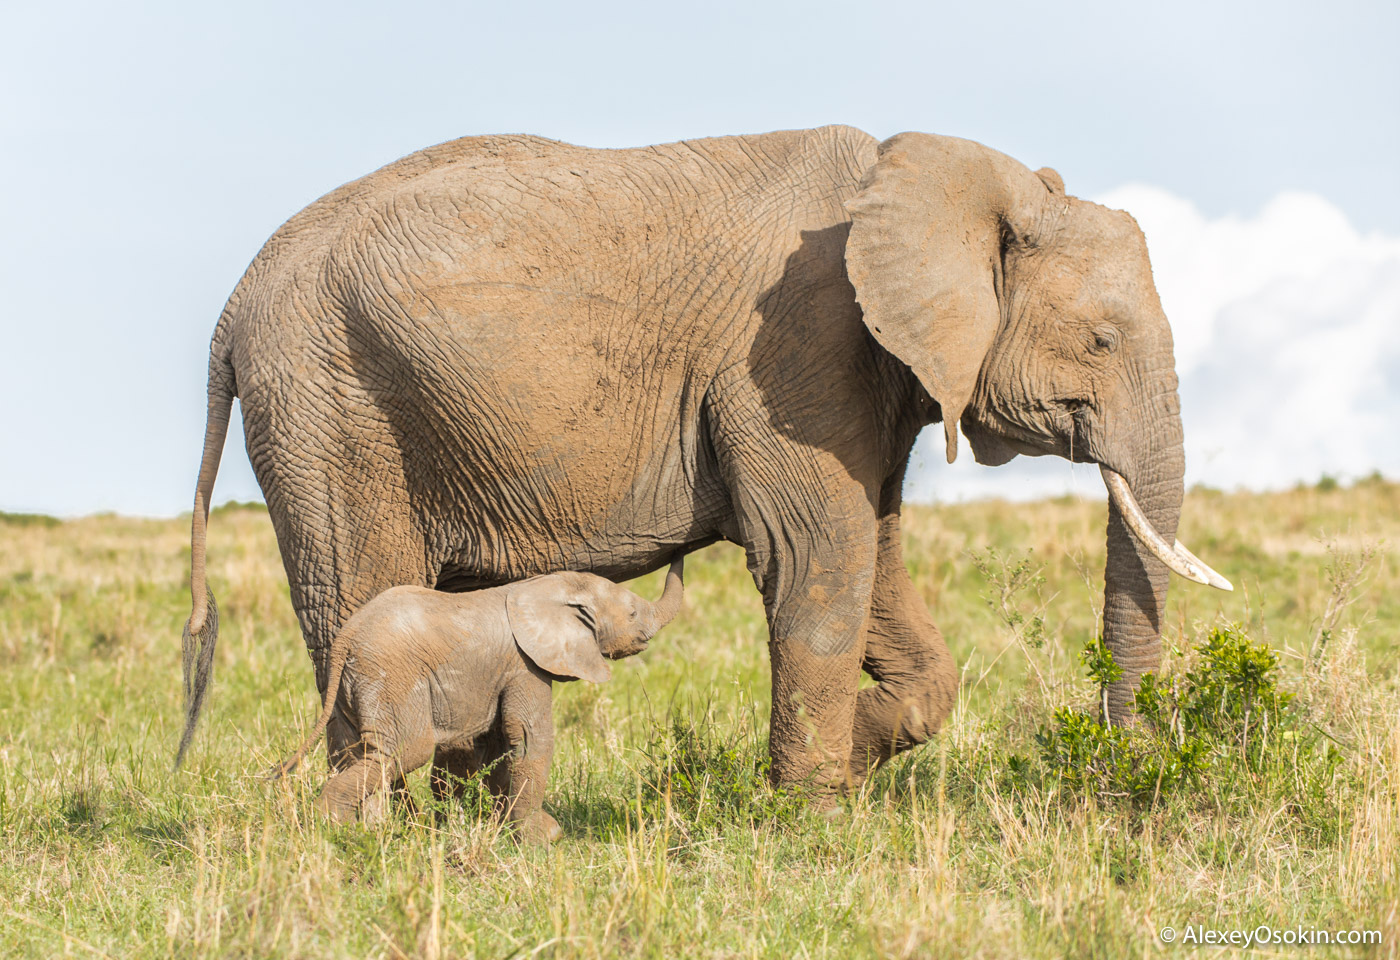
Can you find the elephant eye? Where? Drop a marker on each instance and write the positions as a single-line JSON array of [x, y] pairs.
[[1105, 340]]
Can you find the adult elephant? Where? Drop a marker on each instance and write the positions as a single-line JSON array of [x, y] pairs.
[[505, 356]]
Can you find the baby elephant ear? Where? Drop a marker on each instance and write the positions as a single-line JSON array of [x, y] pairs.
[[554, 628]]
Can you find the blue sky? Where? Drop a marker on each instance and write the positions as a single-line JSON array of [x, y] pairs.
[[149, 150]]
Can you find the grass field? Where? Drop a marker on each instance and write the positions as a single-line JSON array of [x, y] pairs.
[[673, 844]]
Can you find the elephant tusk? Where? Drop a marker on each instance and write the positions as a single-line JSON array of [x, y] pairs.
[[1180, 560], [1215, 579]]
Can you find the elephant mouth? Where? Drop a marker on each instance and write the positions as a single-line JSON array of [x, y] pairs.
[[622, 653], [1062, 427], [1076, 425]]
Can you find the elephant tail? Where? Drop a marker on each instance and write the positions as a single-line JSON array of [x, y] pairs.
[[202, 629], [340, 651]]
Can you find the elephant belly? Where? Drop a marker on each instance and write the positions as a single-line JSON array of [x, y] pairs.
[[619, 515], [619, 558], [460, 717], [536, 454]]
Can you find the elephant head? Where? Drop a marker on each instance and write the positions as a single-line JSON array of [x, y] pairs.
[[567, 623], [1031, 318]]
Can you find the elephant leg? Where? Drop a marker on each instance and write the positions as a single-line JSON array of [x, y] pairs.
[[904, 652], [802, 454], [348, 795], [346, 533], [815, 626], [395, 741], [527, 733], [344, 745], [815, 570]]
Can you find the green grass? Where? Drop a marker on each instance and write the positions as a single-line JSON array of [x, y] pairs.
[[674, 845]]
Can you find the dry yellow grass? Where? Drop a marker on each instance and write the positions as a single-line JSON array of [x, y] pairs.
[[107, 853]]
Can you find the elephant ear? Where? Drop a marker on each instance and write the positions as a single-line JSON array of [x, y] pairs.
[[925, 256], [553, 624], [1052, 180]]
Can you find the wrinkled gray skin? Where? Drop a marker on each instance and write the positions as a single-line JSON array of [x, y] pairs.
[[417, 674], [506, 355]]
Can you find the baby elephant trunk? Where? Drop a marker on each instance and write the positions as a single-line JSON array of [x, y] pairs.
[[663, 611]]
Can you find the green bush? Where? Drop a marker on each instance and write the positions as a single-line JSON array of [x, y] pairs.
[[1223, 721], [708, 779]]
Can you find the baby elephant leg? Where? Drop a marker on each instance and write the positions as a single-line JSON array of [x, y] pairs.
[[527, 732], [352, 789], [361, 788]]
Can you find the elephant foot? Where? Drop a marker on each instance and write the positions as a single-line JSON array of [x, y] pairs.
[[375, 808], [357, 793], [336, 811], [825, 808], [538, 828]]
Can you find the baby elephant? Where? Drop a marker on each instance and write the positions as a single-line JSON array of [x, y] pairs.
[[468, 675]]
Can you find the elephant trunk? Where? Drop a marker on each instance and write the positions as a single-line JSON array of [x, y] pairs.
[[663, 611], [1148, 498]]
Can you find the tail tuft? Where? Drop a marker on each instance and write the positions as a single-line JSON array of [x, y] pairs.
[[202, 628], [280, 770], [198, 668]]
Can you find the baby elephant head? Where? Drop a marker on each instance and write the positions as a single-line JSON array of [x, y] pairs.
[[567, 623]]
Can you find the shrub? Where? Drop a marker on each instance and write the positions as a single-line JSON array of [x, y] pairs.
[[1223, 720], [706, 779]]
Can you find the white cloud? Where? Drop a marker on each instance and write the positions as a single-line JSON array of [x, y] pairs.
[[1287, 330]]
